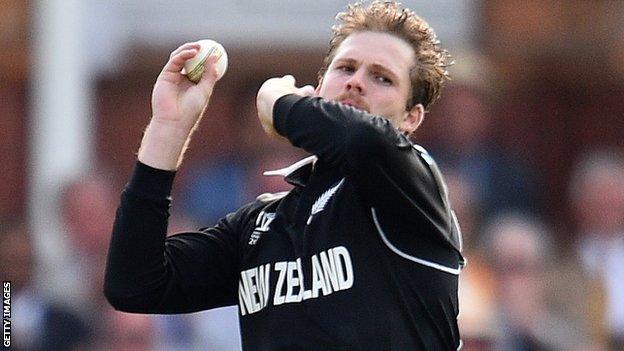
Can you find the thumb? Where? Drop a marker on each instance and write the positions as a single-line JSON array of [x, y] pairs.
[[307, 90]]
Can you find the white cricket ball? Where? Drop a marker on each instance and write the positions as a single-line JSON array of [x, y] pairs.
[[194, 67]]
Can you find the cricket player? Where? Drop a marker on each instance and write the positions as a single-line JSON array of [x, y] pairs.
[[362, 254]]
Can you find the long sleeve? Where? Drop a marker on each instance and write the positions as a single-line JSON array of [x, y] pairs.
[[394, 175], [150, 273]]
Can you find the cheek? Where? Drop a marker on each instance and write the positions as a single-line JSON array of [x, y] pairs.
[[391, 105], [327, 86]]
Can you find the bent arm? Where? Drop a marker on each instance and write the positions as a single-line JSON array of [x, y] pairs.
[[396, 176], [147, 272]]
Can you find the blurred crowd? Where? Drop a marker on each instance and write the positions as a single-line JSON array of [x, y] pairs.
[[527, 285]]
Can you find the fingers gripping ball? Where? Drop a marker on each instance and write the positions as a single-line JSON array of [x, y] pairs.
[[194, 67]]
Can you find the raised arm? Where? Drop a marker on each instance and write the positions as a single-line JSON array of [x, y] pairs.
[[395, 175], [146, 271], [177, 107]]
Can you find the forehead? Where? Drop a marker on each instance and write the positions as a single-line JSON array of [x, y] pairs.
[[384, 49]]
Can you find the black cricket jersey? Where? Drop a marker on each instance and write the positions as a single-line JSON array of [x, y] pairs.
[[362, 254]]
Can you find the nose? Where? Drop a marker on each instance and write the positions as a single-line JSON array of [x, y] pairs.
[[355, 83]]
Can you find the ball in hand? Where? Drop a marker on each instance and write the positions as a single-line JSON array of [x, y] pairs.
[[194, 67]]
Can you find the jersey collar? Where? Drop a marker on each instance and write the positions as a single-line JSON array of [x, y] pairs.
[[296, 174]]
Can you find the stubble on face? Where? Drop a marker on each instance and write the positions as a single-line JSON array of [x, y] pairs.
[[381, 56]]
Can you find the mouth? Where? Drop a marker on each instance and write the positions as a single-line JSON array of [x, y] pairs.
[[353, 103], [349, 102]]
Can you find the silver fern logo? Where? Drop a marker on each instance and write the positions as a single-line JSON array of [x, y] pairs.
[[319, 204]]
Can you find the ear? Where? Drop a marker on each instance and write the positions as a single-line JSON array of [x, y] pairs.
[[412, 119], [318, 87]]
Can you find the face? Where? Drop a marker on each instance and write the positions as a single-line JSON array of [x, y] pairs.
[[370, 71]]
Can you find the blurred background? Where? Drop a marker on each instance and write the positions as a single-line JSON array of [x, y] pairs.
[[529, 135]]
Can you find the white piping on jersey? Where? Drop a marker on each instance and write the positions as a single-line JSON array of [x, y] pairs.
[[288, 170], [459, 232], [424, 153], [443, 191], [408, 257]]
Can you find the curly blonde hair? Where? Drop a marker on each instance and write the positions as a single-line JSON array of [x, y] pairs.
[[430, 69]]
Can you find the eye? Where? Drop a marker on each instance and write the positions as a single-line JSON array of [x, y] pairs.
[[345, 68], [380, 78]]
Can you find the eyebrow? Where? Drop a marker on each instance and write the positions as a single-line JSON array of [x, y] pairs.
[[375, 67]]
